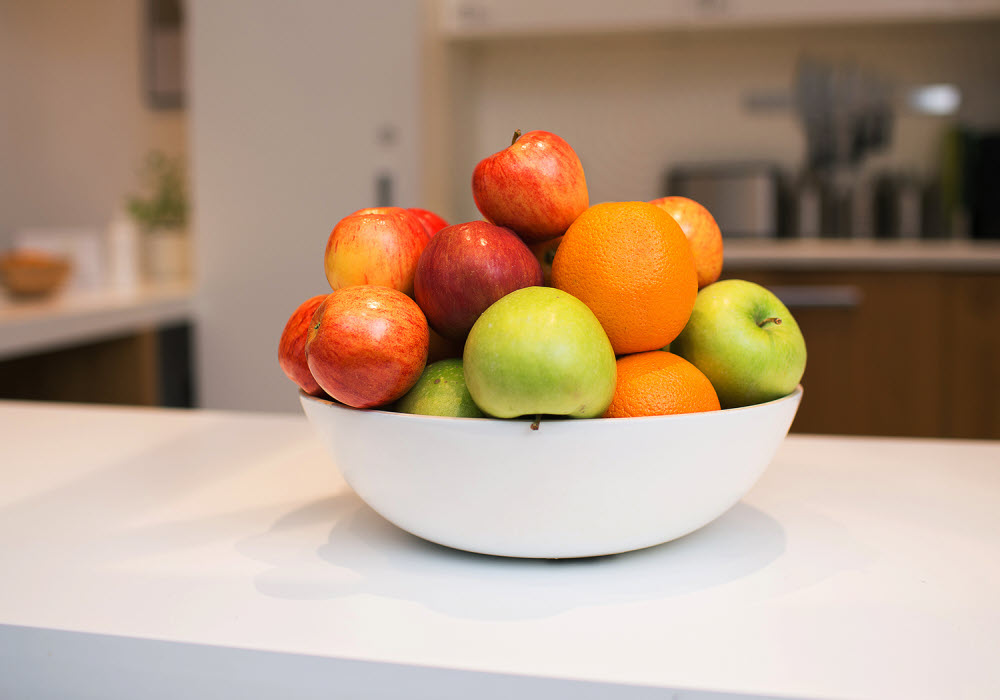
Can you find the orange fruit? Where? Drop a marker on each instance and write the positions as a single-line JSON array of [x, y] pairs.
[[631, 263], [659, 383]]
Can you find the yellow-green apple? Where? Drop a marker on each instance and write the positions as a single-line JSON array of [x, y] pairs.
[[431, 222], [535, 186], [440, 391], [540, 350], [546, 253], [467, 267], [702, 231], [292, 346], [367, 345], [745, 341], [379, 245]]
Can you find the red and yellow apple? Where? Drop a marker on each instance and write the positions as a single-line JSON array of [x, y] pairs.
[[379, 245], [535, 187], [367, 345], [432, 223], [702, 232], [467, 267], [292, 346]]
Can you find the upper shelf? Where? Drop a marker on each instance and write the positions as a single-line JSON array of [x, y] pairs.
[[483, 19]]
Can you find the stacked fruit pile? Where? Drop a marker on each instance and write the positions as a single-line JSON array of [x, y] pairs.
[[548, 306]]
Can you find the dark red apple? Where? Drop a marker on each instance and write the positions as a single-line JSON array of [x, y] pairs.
[[292, 346], [380, 245], [367, 345], [467, 267], [535, 186], [432, 223]]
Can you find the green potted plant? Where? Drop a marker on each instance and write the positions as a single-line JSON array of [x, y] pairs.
[[161, 213]]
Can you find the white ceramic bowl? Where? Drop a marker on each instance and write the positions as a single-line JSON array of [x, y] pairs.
[[572, 488]]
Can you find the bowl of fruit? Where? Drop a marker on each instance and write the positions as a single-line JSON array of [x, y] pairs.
[[556, 380]]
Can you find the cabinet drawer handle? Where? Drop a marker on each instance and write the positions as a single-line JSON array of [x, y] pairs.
[[834, 296]]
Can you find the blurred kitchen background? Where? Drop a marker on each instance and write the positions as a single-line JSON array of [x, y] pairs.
[[179, 166]]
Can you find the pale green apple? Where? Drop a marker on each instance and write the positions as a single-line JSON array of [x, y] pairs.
[[539, 350], [745, 341], [440, 391]]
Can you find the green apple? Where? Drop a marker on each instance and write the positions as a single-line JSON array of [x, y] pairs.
[[440, 391], [540, 350], [745, 341]]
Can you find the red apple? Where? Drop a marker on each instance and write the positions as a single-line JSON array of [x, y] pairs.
[[432, 222], [702, 232], [292, 346], [379, 245], [535, 186], [367, 345], [467, 267]]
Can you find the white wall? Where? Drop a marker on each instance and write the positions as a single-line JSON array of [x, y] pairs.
[[632, 105], [74, 124], [284, 106]]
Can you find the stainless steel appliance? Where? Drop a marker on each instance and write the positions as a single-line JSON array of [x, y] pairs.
[[744, 198]]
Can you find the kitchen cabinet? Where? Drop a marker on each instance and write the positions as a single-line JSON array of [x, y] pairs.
[[902, 352], [480, 19], [148, 367], [101, 346]]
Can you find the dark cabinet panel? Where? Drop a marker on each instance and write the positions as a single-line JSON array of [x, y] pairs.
[[903, 353]]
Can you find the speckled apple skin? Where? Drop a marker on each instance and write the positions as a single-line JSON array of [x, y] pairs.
[[367, 345], [292, 346], [467, 267], [375, 246], [431, 222], [536, 186], [702, 232]]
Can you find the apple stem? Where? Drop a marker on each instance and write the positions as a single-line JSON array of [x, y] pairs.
[[517, 135], [774, 319], [537, 422]]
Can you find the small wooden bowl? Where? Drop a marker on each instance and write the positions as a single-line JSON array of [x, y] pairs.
[[28, 273]]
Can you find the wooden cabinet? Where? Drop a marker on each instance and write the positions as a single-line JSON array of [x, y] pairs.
[[151, 367], [971, 355], [903, 353]]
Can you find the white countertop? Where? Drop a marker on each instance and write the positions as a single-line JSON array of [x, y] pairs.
[[861, 254], [158, 553], [77, 317]]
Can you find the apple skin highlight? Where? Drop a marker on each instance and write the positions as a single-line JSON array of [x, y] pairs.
[[367, 345], [466, 268], [535, 186], [375, 246]]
